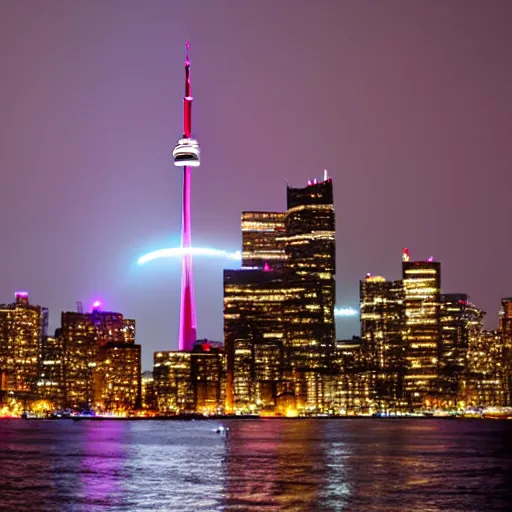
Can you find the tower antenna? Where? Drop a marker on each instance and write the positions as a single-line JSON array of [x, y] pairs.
[[186, 155]]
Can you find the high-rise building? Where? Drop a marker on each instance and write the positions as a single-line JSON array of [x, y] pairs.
[[309, 310], [485, 380], [461, 323], [263, 239], [353, 383], [102, 365], [505, 328], [172, 382], [22, 328], [279, 317], [186, 382], [254, 331], [208, 377], [50, 385], [311, 249], [422, 333], [148, 391], [119, 387], [80, 358], [382, 324]]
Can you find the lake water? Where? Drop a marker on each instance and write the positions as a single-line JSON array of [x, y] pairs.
[[262, 465]]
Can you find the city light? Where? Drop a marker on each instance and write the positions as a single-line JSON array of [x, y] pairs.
[[178, 252]]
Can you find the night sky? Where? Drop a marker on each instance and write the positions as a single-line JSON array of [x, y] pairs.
[[406, 104]]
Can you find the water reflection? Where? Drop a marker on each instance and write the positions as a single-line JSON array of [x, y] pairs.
[[101, 466], [269, 465], [263, 465]]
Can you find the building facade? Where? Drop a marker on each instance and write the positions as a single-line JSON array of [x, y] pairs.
[[311, 250], [279, 314], [102, 363], [22, 329], [254, 337], [189, 382], [422, 333], [50, 385], [461, 327], [263, 239], [382, 324]]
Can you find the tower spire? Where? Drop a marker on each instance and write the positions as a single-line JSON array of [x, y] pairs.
[[186, 155], [187, 100]]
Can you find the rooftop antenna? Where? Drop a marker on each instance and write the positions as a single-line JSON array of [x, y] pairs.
[[79, 307]]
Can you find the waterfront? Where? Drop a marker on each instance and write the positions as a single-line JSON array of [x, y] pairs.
[[300, 465]]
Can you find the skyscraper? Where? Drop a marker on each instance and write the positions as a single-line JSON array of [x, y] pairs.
[[382, 324], [505, 329], [311, 250], [50, 385], [102, 363], [422, 333], [186, 155], [173, 382], [279, 318], [485, 379], [22, 328], [461, 324], [254, 336]]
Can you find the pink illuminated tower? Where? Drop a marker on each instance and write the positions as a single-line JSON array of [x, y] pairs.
[[186, 155]]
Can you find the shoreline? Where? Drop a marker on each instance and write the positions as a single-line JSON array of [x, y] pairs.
[[253, 418]]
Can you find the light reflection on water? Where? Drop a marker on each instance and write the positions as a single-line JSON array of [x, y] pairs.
[[297, 465]]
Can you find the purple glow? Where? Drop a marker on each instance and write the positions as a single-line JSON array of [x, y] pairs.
[[21, 294], [96, 305], [430, 259]]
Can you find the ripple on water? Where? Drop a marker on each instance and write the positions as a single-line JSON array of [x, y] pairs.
[[299, 465]]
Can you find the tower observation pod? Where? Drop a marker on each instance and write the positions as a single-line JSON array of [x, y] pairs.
[[186, 155]]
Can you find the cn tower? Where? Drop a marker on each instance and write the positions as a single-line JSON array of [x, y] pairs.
[[186, 155]]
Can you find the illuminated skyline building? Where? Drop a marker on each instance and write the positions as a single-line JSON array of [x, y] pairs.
[[172, 382], [187, 382], [311, 263], [263, 239], [279, 318], [50, 385], [382, 325], [254, 336], [186, 155], [485, 379], [505, 329], [208, 377], [422, 333], [352, 384], [22, 328], [461, 325], [102, 363]]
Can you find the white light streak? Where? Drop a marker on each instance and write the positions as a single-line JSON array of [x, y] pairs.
[[345, 312], [177, 252]]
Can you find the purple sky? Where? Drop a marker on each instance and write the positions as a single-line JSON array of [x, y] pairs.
[[407, 104]]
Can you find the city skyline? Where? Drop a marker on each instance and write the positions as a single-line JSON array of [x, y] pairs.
[[86, 148]]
